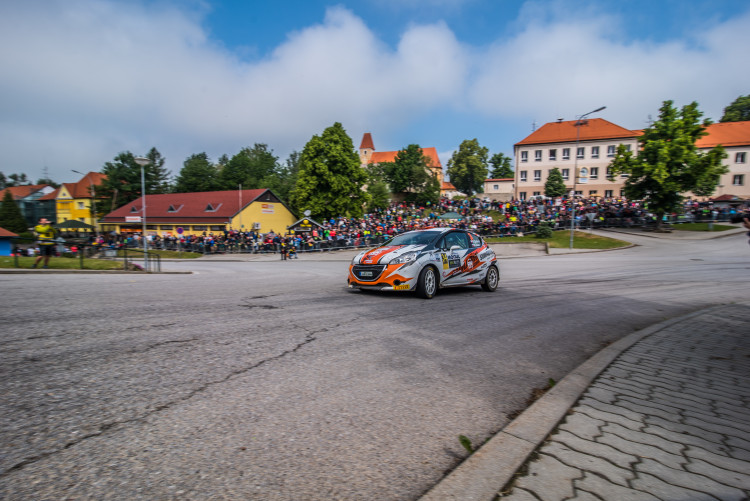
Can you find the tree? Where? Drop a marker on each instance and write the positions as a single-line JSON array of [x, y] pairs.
[[197, 174], [555, 185], [330, 176], [46, 180], [13, 180], [248, 168], [283, 178], [669, 163], [123, 179], [377, 188], [409, 173], [467, 167], [501, 168], [738, 111], [10, 215]]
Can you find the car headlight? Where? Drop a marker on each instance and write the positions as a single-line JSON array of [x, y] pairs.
[[407, 257], [358, 257]]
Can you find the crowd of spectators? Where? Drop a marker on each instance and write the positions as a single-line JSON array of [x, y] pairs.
[[488, 218]]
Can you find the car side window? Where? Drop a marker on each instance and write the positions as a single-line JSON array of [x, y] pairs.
[[456, 238], [475, 241]]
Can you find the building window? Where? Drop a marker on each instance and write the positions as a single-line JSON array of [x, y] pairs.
[[566, 174], [739, 158], [627, 147], [537, 155], [608, 193], [624, 176], [522, 195], [738, 180], [594, 173], [172, 208], [566, 154], [217, 228], [537, 175], [553, 154], [592, 193], [611, 150], [495, 187], [523, 176], [167, 227], [594, 152], [609, 171], [524, 156], [200, 228], [537, 193], [580, 152]]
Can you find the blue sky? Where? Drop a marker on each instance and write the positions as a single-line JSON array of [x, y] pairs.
[[86, 79]]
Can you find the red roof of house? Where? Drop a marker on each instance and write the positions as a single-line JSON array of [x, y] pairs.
[[203, 207], [390, 156], [6, 233], [51, 195], [367, 142], [82, 189], [726, 134], [567, 131], [19, 192], [447, 186]]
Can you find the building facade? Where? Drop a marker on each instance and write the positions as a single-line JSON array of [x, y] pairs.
[[201, 213], [33, 201], [76, 201], [583, 150], [499, 190]]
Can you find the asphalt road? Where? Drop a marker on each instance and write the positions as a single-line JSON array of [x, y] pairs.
[[272, 381]]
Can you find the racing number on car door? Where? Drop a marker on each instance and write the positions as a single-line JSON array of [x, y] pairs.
[[453, 260]]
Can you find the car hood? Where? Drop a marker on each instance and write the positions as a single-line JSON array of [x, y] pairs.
[[382, 255]]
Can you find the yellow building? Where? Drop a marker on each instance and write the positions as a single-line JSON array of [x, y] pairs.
[[75, 201], [205, 212]]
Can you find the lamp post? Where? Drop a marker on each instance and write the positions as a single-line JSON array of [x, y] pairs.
[[93, 203], [578, 124], [143, 161]]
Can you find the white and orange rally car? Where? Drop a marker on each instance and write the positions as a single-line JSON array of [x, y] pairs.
[[424, 261]]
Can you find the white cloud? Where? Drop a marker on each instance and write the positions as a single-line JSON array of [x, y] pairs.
[[130, 77], [576, 62]]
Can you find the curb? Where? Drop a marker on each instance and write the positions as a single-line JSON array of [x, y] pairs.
[[485, 473]]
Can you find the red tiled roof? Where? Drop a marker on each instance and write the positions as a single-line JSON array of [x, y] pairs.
[[725, 198], [51, 195], [566, 131], [367, 142], [82, 188], [390, 156], [19, 192], [726, 134], [447, 186], [6, 233], [190, 206]]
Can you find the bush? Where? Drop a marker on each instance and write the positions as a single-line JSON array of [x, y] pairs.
[[544, 230]]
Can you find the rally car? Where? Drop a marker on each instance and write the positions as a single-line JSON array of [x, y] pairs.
[[424, 261]]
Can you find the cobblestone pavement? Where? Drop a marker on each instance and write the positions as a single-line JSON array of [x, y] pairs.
[[669, 419]]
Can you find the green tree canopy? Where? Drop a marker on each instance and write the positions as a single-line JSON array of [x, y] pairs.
[[738, 111], [467, 167], [409, 173], [197, 174], [13, 180], [555, 185], [669, 163], [330, 177], [123, 182], [10, 215], [283, 178], [501, 168], [248, 168]]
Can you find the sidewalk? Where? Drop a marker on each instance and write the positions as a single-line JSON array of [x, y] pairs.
[[662, 414]]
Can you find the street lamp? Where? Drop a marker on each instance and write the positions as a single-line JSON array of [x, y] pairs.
[[578, 124], [143, 161], [93, 203]]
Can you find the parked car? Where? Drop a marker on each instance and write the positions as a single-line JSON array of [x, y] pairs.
[[424, 261]]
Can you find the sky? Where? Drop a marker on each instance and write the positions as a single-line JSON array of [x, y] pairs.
[[84, 80]]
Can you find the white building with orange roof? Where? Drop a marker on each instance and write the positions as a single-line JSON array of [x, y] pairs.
[[368, 155], [735, 138], [581, 150]]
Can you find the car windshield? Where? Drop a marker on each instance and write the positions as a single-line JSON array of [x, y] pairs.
[[414, 238]]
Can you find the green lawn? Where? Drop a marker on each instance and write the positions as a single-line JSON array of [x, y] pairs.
[[701, 227], [63, 263], [561, 239]]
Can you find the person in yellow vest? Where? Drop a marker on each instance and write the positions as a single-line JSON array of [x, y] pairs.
[[46, 239]]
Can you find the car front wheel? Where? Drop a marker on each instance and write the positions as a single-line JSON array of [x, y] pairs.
[[427, 284], [491, 280]]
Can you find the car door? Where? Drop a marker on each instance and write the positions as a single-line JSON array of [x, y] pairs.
[[454, 246]]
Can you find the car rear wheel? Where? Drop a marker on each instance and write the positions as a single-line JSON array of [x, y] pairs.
[[491, 280], [427, 283]]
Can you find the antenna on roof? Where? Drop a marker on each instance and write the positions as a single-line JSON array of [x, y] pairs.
[[533, 126]]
